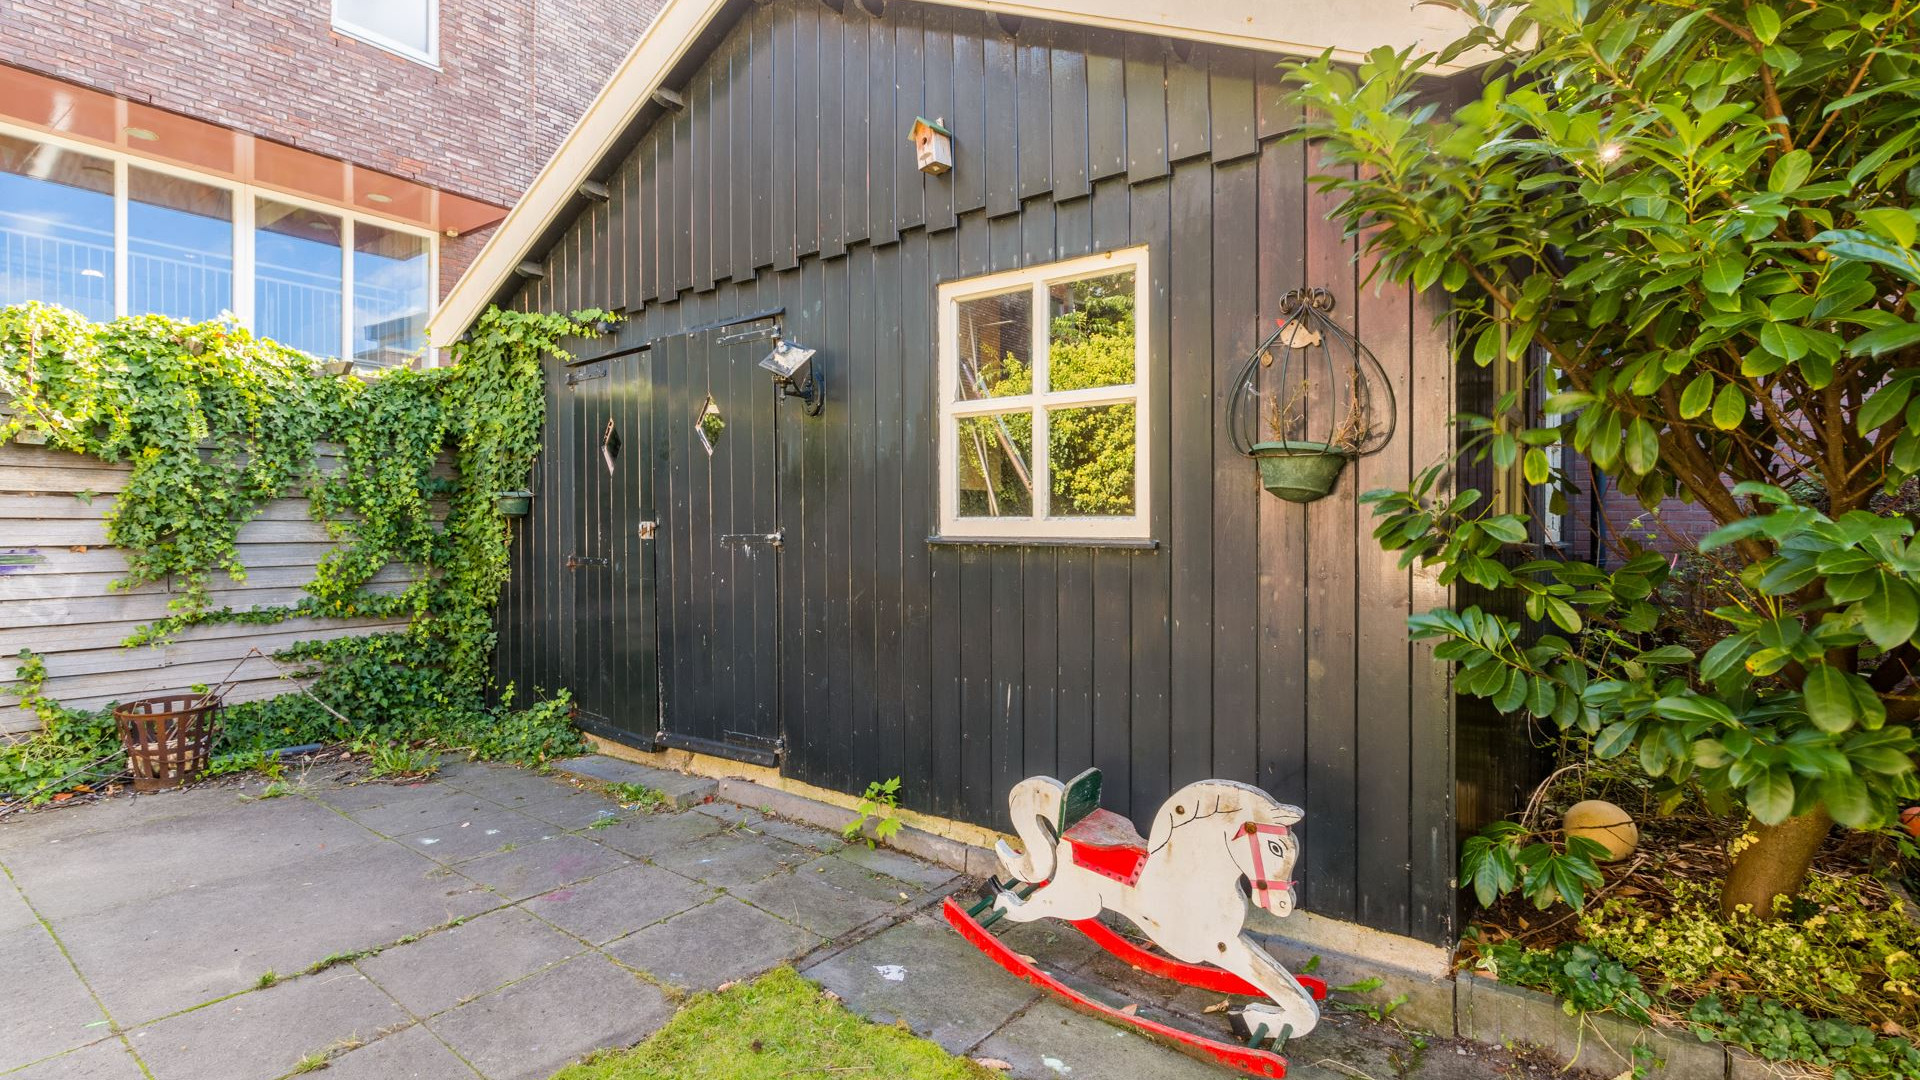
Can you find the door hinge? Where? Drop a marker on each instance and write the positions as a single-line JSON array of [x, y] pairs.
[[576, 377], [776, 538], [646, 530], [575, 562]]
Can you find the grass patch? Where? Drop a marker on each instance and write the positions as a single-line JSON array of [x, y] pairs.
[[777, 1026]]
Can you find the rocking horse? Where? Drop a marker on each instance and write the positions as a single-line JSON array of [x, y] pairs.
[[1214, 846]]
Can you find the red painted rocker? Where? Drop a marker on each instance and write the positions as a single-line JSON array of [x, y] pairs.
[[1214, 847]]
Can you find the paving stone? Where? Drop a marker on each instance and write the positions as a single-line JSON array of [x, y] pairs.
[[681, 789], [1050, 1041], [448, 806], [512, 786], [1051, 942], [712, 944], [900, 867], [148, 859], [734, 861], [619, 902], [647, 835], [188, 947], [574, 810], [541, 866], [47, 1007], [263, 1034], [854, 878], [923, 974], [14, 912], [108, 1059], [449, 966], [808, 900], [413, 1054], [483, 834], [532, 1028], [794, 832], [732, 814], [354, 798]]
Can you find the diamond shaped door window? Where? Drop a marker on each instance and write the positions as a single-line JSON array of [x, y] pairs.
[[610, 445], [712, 425]]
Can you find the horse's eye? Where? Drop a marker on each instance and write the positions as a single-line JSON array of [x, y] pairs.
[[1273, 848]]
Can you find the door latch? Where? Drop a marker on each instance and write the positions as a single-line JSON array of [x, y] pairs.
[[646, 530], [775, 539], [575, 562]]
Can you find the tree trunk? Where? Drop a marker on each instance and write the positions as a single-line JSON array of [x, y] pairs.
[[1776, 864]]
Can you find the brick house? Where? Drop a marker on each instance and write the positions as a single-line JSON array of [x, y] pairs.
[[323, 169]]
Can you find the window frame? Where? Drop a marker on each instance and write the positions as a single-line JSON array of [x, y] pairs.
[[244, 196], [1042, 525], [430, 58]]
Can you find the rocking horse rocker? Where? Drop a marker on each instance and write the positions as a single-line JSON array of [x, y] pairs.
[[1214, 846]]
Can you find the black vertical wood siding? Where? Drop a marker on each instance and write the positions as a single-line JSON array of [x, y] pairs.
[[1260, 641]]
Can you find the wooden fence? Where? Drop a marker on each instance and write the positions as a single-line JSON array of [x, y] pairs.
[[56, 599]]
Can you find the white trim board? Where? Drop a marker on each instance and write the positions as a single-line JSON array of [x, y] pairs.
[[1286, 27]]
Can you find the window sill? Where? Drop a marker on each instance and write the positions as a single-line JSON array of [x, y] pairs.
[[1122, 544]]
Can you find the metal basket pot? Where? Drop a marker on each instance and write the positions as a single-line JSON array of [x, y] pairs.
[[1299, 472], [168, 739]]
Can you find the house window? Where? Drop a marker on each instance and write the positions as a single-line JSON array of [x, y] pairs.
[[109, 234], [408, 27], [1043, 415]]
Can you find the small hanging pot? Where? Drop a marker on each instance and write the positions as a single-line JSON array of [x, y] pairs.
[[1326, 400], [514, 503]]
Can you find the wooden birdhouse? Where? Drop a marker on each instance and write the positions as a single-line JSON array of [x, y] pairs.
[[932, 146]]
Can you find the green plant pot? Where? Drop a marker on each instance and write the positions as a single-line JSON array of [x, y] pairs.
[[1299, 472], [514, 503]]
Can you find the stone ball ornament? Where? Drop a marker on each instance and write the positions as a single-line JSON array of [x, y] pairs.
[[1605, 824]]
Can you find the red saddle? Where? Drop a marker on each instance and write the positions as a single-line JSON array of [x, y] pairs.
[[1108, 844]]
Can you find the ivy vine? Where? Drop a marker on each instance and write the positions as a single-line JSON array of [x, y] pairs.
[[403, 469]]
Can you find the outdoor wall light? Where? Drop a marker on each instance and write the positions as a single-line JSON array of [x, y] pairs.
[[792, 367]]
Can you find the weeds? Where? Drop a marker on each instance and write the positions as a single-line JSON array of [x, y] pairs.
[[881, 802], [640, 797], [267, 978]]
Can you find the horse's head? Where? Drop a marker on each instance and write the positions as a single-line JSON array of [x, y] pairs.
[[1257, 833]]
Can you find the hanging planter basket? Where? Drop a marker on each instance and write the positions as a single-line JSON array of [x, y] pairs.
[[1320, 396], [514, 503]]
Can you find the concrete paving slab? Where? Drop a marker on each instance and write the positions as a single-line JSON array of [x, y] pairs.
[[448, 806], [192, 946], [1050, 1041], [482, 834], [511, 786], [413, 1054], [712, 944], [924, 975], [542, 866], [14, 912], [619, 902], [851, 877], [906, 868], [354, 798], [647, 835], [264, 1034], [448, 967], [732, 814], [794, 832], [573, 810], [48, 1009], [108, 1059], [149, 859], [532, 1028], [734, 860], [809, 901], [682, 789]]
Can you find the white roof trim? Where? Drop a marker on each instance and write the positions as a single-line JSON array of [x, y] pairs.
[[1280, 26]]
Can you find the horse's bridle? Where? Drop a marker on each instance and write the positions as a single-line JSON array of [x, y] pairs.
[[1263, 886]]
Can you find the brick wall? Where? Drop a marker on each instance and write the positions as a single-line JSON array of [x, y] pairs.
[[513, 77], [1673, 528]]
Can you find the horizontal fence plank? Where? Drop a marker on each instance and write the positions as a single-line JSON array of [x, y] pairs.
[[63, 611], [112, 562], [109, 635]]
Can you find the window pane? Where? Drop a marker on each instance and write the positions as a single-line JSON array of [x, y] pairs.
[[56, 227], [995, 456], [1090, 458], [297, 270], [389, 295], [179, 247], [407, 23], [1090, 333], [996, 346]]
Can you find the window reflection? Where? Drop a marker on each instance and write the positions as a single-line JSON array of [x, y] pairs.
[[390, 295], [179, 247], [56, 227], [297, 277]]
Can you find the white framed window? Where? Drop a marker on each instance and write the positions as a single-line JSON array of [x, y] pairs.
[[1044, 415], [408, 27], [110, 234]]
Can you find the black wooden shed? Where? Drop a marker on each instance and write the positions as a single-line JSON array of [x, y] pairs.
[[711, 568]]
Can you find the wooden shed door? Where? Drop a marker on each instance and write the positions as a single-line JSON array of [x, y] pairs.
[[719, 548], [609, 566]]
